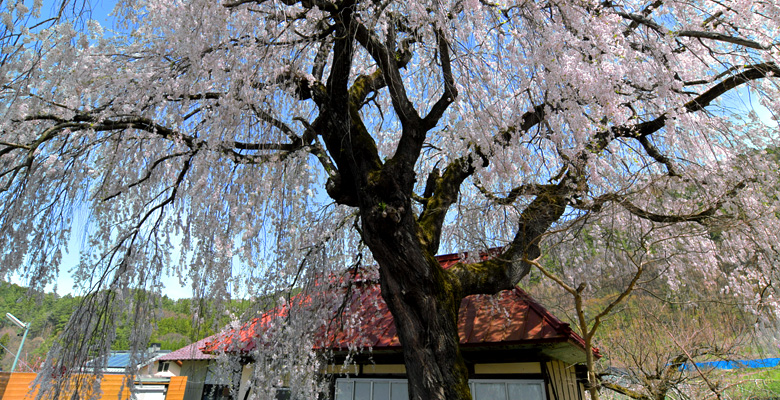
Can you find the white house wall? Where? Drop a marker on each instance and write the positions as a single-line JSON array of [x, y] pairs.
[[195, 371]]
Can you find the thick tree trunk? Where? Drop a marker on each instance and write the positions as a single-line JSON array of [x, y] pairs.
[[424, 301], [427, 328]]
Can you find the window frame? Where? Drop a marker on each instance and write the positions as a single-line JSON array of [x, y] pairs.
[[472, 382], [163, 366]]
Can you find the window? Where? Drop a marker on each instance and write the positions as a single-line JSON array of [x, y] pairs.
[[481, 389], [163, 366], [216, 392], [372, 389]]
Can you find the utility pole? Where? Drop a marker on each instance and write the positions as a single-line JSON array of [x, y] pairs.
[[26, 328]]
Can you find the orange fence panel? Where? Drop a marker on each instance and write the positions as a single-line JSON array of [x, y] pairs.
[[18, 386]]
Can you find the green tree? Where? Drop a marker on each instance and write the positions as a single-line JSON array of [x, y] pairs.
[[5, 340]]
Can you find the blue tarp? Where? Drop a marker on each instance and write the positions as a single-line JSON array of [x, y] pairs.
[[763, 363]]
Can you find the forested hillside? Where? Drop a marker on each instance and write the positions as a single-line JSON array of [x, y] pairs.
[[48, 314]]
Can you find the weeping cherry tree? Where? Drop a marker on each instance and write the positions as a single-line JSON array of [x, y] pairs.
[[249, 144]]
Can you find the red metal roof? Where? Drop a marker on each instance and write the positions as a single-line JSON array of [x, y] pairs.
[[510, 317], [190, 352]]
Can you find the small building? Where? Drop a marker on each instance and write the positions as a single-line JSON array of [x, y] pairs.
[[514, 348], [123, 361], [148, 383], [202, 381], [20, 386]]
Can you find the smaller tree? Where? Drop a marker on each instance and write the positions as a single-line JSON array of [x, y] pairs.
[[652, 347], [628, 251], [4, 342]]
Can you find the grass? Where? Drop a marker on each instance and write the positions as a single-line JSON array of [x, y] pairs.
[[753, 384]]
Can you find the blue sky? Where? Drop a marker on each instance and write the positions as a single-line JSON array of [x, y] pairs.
[[99, 10]]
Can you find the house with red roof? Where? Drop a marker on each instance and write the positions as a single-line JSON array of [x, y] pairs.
[[513, 346], [197, 366]]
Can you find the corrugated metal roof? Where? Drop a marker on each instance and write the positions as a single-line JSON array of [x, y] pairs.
[[510, 317], [121, 359], [118, 360]]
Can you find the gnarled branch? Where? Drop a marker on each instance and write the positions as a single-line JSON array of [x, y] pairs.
[[532, 189], [450, 92]]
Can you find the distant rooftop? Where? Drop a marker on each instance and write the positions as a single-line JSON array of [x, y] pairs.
[[190, 352], [119, 360]]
